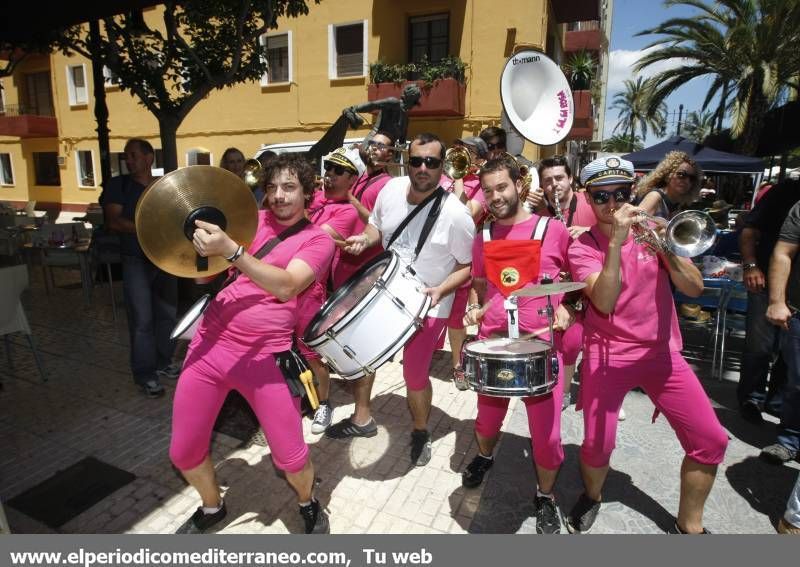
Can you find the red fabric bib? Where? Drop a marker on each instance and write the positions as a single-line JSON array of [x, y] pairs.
[[511, 264]]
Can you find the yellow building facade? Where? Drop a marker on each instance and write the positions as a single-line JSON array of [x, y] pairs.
[[299, 106]]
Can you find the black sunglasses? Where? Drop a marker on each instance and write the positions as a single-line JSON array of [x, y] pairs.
[[430, 162], [620, 196], [497, 146], [685, 175], [337, 169], [378, 145]]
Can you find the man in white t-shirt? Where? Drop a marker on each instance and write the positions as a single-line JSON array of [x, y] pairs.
[[442, 263]]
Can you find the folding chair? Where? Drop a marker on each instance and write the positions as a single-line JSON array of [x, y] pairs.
[[13, 281], [734, 317]]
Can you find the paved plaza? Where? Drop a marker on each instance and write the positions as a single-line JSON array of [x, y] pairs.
[[89, 406]]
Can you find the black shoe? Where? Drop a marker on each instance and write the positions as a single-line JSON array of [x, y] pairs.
[[346, 428], [751, 412], [777, 454], [548, 516], [676, 530], [420, 447], [315, 518], [200, 521], [475, 471], [582, 515]]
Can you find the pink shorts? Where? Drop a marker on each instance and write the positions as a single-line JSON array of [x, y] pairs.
[[209, 373], [456, 319], [418, 353], [544, 422], [674, 390]]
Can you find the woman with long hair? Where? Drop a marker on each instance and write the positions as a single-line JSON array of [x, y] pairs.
[[233, 161], [674, 182]]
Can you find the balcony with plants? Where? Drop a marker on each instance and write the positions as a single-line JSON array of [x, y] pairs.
[[580, 70], [443, 85]]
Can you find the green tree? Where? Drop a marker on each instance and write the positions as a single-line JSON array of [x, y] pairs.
[[203, 45], [636, 111], [698, 126], [621, 143], [748, 48]]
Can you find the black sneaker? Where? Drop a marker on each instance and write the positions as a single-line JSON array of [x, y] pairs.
[[315, 518], [200, 521], [777, 454], [676, 530], [346, 428], [420, 447], [751, 412], [582, 515], [475, 471], [548, 516]]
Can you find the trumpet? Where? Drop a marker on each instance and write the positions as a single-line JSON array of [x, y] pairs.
[[458, 162], [253, 173], [687, 234], [371, 151], [526, 173]]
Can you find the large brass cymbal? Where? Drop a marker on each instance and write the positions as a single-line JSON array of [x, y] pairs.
[[166, 209], [548, 289]]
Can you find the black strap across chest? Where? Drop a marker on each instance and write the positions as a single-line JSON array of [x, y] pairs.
[[437, 197]]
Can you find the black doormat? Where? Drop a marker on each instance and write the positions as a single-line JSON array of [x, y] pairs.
[[236, 418], [67, 493]]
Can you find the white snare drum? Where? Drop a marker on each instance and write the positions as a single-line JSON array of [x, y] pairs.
[[510, 367], [369, 318], [187, 326]]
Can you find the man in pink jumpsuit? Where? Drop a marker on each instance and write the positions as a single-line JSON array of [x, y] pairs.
[[245, 332], [531, 246], [631, 339]]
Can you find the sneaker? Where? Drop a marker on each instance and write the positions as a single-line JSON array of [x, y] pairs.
[[420, 447], [777, 454], [315, 518], [548, 516], [566, 400], [582, 515], [786, 528], [346, 428], [475, 471], [200, 521], [322, 418], [622, 415], [460, 379], [152, 389], [170, 372], [750, 411], [676, 530]]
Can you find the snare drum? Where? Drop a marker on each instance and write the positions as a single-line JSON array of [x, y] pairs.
[[187, 326], [369, 318], [510, 367]]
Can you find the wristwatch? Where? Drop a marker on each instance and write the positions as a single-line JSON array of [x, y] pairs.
[[749, 266]]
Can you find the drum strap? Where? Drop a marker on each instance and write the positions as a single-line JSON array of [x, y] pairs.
[[269, 245], [437, 196], [538, 231], [370, 181]]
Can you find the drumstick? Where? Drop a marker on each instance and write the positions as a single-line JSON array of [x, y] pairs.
[[307, 378]]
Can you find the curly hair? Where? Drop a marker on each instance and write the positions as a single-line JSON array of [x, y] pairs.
[[297, 164], [659, 177]]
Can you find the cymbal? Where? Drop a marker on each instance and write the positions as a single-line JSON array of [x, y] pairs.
[[548, 289], [167, 209]]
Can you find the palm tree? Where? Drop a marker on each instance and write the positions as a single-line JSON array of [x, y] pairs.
[[698, 125], [747, 47], [621, 143], [636, 111]]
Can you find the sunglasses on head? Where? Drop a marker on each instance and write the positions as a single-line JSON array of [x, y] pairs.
[[685, 175], [497, 146], [430, 162], [337, 169], [601, 197]]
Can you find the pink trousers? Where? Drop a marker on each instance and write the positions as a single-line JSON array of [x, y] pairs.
[[418, 353]]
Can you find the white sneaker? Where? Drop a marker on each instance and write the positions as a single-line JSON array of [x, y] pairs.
[[621, 414], [322, 418]]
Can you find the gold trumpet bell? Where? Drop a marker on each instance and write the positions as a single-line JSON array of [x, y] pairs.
[[253, 173], [457, 162]]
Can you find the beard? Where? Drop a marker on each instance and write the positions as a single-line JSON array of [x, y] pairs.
[[424, 182], [506, 208]]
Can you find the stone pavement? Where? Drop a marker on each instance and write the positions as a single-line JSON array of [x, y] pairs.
[[89, 406]]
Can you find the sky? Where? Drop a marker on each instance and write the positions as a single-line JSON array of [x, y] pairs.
[[629, 18]]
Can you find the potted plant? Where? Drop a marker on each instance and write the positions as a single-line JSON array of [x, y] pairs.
[[580, 70], [443, 84]]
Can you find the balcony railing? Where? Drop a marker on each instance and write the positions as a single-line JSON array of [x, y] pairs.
[[26, 122], [25, 110]]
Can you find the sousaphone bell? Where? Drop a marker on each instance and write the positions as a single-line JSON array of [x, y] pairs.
[[168, 208]]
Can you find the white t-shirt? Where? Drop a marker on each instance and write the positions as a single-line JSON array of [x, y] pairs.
[[449, 242]]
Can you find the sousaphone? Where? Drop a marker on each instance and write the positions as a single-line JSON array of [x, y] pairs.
[[168, 208], [536, 97]]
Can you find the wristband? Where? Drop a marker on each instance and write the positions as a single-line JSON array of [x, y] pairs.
[[236, 255], [749, 266], [472, 306]]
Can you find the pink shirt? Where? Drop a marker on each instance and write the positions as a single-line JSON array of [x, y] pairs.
[[583, 215], [340, 215], [246, 318], [643, 322], [552, 260], [366, 190]]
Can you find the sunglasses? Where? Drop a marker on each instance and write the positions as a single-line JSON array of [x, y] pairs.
[[430, 162], [377, 145], [337, 169], [620, 196], [685, 175], [497, 146]]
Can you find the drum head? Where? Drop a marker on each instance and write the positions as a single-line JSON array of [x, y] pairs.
[[191, 317], [504, 346], [348, 296]]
